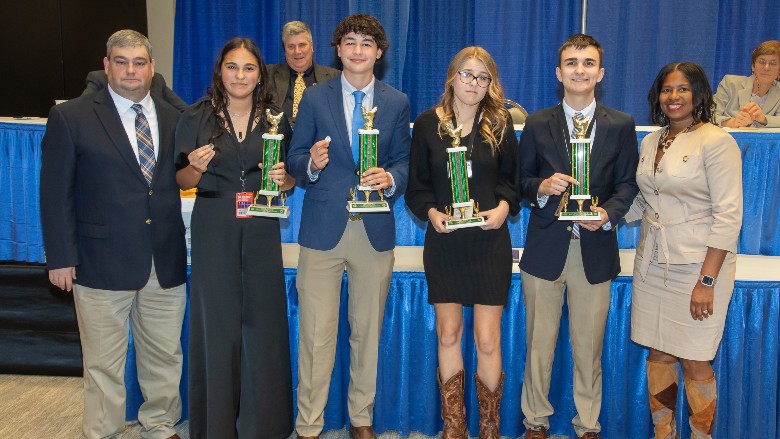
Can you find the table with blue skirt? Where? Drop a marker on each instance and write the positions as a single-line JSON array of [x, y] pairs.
[[407, 394]]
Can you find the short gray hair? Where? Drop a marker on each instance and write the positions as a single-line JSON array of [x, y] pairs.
[[127, 38], [295, 28]]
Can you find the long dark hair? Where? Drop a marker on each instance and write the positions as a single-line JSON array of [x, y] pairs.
[[261, 96], [703, 103]]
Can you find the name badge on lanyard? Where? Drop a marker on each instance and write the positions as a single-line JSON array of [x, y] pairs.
[[243, 201]]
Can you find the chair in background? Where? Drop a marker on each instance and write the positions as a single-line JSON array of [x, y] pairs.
[[517, 111]]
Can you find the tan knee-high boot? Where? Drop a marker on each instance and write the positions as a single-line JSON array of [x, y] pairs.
[[453, 409], [662, 379], [702, 398], [489, 403]]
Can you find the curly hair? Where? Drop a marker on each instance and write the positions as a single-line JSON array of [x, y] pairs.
[[494, 116], [703, 102], [261, 96], [361, 24]]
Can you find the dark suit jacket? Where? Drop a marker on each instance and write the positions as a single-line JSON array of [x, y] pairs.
[[614, 158], [280, 80], [98, 214], [324, 213], [97, 80]]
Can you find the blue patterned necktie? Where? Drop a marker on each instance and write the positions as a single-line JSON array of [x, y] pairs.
[[145, 145], [357, 123]]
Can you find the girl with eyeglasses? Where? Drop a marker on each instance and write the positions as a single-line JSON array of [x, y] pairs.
[[468, 266]]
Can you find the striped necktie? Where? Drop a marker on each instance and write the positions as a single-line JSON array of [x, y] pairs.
[[145, 145], [357, 123]]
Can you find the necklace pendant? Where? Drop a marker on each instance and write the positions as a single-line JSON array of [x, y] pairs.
[[240, 135]]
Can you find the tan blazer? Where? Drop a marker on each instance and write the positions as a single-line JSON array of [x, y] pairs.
[[693, 202], [734, 92]]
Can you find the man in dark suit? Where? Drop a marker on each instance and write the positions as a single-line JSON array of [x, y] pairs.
[[97, 80], [113, 232], [290, 78], [578, 257], [321, 155]]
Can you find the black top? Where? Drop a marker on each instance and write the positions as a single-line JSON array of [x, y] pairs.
[[197, 127], [494, 177]]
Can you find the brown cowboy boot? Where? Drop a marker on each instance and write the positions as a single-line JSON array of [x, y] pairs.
[[453, 410], [489, 403], [662, 379], [702, 398]]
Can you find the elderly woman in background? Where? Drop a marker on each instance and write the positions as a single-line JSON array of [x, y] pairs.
[[690, 203], [752, 101]]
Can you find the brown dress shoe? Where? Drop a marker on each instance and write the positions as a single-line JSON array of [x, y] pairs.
[[309, 437], [590, 435], [175, 436], [362, 432], [537, 433]]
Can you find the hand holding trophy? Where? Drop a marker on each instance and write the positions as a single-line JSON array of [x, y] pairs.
[[272, 142], [580, 167], [368, 141], [464, 212]]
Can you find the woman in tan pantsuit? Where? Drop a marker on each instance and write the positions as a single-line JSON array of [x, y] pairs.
[[690, 203]]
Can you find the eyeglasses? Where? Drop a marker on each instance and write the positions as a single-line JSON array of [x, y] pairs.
[[468, 78], [765, 63]]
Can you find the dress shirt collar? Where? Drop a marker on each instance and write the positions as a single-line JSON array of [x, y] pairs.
[[588, 111], [306, 73], [123, 104]]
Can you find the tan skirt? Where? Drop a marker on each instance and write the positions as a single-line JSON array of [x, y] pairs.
[[660, 311]]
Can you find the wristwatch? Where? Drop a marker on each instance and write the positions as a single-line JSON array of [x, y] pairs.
[[707, 281]]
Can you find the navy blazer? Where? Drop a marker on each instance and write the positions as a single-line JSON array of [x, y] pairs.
[[324, 213], [613, 163], [97, 212]]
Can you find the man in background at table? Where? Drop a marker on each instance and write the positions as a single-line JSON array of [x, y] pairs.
[[113, 232], [581, 257], [323, 154], [97, 80], [290, 78]]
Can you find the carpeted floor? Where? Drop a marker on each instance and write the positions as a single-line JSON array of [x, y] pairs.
[[51, 407]]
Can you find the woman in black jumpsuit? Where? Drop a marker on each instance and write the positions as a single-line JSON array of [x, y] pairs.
[[240, 382]]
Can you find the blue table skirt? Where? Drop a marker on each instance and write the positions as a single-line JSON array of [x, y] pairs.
[[407, 395], [21, 239]]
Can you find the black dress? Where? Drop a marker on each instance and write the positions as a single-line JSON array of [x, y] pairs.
[[467, 266], [240, 382]]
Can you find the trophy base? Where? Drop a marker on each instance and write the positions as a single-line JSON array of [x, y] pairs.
[[354, 206], [269, 211], [579, 216], [475, 221]]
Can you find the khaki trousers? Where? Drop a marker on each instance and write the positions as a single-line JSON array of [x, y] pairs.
[[155, 315], [319, 291], [588, 307]]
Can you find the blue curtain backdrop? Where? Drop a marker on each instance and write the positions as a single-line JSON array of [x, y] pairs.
[[522, 35]]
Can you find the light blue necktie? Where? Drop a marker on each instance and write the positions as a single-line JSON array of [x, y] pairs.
[[357, 123], [143, 136]]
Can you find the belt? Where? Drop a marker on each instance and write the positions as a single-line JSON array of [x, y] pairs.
[[656, 228], [215, 194]]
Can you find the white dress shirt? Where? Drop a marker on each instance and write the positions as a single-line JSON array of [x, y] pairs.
[[127, 115]]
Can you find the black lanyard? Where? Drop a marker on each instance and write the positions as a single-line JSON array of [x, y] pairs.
[[241, 162], [472, 135]]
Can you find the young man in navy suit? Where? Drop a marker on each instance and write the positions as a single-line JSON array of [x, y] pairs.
[[332, 240], [580, 258], [113, 231]]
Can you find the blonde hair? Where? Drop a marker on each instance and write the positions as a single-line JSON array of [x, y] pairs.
[[494, 115]]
